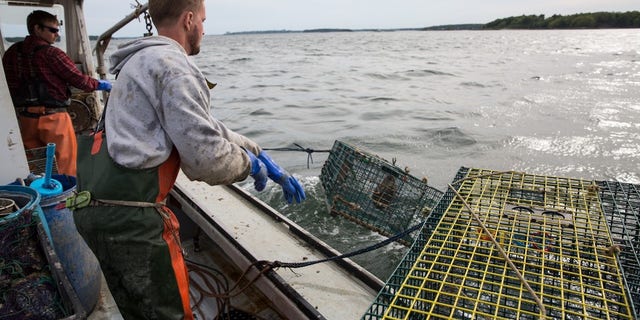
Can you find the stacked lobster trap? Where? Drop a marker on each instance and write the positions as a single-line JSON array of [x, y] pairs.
[[374, 193], [621, 206], [511, 245]]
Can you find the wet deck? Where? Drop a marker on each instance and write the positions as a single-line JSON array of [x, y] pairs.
[[332, 291]]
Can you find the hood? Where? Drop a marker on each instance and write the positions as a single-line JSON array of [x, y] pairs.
[[125, 51]]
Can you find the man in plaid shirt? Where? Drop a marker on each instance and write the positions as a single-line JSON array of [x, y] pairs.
[[39, 76]]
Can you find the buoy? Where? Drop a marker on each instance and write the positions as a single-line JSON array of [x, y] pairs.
[[47, 186]]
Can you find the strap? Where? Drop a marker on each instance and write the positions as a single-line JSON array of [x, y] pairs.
[[83, 199], [32, 72], [47, 109], [33, 89], [19, 59], [100, 126]]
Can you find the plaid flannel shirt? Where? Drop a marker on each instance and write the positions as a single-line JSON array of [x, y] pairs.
[[51, 65]]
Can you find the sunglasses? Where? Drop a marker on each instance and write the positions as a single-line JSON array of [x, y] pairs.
[[51, 29]]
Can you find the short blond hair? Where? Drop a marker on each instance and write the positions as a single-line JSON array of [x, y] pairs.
[[164, 12]]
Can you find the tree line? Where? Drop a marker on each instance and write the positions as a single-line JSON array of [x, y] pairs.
[[596, 20]]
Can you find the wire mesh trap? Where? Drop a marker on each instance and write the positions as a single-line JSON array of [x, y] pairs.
[[37, 161], [28, 289], [621, 206], [553, 256], [373, 192]]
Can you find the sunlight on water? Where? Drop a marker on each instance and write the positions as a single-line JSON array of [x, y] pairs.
[[561, 146], [614, 124]]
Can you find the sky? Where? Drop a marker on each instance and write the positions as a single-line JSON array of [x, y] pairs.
[[254, 15]]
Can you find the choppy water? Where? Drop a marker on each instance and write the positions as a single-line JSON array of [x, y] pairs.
[[563, 103]]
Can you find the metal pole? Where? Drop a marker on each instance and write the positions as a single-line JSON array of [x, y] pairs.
[[103, 39]]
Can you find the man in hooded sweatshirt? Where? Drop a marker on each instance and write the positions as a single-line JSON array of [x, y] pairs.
[[158, 121]]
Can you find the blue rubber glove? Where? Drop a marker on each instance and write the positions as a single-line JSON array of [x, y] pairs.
[[104, 85], [290, 186], [258, 172]]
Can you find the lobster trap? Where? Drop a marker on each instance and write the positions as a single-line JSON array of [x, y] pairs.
[[512, 245], [37, 161], [375, 193], [621, 206]]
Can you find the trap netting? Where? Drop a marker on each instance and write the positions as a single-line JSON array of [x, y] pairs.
[[28, 289], [621, 206], [375, 193], [511, 245], [37, 160]]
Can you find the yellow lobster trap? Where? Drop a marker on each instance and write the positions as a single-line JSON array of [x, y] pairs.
[[511, 245]]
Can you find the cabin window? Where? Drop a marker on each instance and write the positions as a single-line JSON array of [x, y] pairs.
[[13, 23]]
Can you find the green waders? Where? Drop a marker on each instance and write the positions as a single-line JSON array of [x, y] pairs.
[[133, 235]]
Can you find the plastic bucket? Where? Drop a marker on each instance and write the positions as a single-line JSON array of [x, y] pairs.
[[79, 262], [16, 200], [25, 201], [22, 208]]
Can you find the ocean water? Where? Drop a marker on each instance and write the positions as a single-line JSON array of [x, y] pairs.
[[562, 103]]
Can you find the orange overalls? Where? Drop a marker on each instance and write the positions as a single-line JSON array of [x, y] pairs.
[[40, 125]]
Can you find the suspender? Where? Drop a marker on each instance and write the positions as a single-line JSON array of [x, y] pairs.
[[33, 89]]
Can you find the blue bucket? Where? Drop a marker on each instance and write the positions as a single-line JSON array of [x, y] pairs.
[[25, 200], [79, 262]]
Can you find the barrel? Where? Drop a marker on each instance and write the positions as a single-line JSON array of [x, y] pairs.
[[78, 261]]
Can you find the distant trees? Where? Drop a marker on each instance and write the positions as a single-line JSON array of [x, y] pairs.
[[629, 19], [468, 26]]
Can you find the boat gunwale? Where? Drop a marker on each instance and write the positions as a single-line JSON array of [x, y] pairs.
[[274, 279]]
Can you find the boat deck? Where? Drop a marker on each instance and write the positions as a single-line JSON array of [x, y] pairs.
[[237, 230], [326, 287]]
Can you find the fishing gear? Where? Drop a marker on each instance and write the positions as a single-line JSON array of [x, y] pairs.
[[292, 265], [299, 148]]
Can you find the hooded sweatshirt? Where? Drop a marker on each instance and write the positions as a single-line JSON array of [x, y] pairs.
[[160, 101]]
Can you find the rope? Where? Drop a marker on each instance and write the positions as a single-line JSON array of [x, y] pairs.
[[292, 265], [220, 288], [309, 151], [235, 290], [217, 286], [484, 176], [501, 250]]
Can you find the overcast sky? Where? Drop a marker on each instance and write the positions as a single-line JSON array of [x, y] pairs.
[[251, 15]]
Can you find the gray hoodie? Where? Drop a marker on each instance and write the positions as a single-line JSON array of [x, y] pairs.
[[159, 101]]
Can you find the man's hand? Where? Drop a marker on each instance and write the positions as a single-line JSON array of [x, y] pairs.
[[104, 85], [258, 172]]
